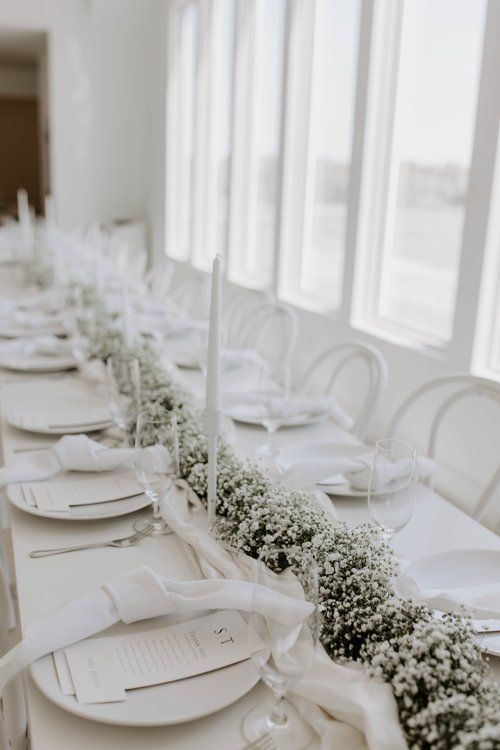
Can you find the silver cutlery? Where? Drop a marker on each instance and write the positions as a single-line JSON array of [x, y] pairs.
[[264, 743], [126, 541]]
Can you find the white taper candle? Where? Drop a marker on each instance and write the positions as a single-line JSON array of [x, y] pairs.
[[212, 416]]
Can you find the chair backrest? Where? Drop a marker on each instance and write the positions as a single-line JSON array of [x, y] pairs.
[[342, 356], [463, 386], [192, 294], [13, 718], [271, 331], [237, 311]]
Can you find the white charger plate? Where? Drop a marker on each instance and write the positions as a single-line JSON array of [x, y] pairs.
[[245, 415], [92, 512], [458, 569], [158, 705], [38, 362], [322, 451]]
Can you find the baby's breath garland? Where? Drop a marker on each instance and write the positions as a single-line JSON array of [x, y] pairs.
[[446, 696]]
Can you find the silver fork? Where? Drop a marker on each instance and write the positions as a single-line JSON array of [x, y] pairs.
[[126, 541], [263, 743]]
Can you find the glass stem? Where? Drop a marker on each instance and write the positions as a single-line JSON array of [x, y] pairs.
[[278, 717], [156, 510]]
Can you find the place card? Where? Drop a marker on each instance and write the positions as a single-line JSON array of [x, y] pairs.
[[60, 496], [100, 670]]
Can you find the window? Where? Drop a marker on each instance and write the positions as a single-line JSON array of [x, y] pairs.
[[313, 268], [188, 41], [341, 152], [256, 173], [435, 108]]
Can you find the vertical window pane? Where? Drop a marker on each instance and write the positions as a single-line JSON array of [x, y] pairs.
[[334, 85], [434, 124], [269, 52], [188, 57], [256, 172]]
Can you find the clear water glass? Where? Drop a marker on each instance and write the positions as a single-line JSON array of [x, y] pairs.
[[392, 485], [282, 653], [123, 390], [156, 460], [275, 407]]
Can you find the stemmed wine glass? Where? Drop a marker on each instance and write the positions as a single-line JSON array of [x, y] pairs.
[[275, 407], [391, 487], [156, 461], [282, 652], [123, 389]]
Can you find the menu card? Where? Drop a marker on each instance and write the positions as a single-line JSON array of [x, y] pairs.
[[100, 670], [59, 496]]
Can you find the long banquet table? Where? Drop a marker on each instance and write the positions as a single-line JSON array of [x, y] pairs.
[[46, 584]]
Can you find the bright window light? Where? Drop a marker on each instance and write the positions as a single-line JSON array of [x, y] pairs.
[[440, 61]]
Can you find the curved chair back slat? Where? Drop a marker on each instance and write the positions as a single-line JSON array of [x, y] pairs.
[[260, 326], [342, 355], [238, 310], [468, 386]]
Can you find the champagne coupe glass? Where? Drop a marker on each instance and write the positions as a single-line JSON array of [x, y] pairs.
[[156, 461], [282, 652], [123, 389], [391, 488], [275, 406]]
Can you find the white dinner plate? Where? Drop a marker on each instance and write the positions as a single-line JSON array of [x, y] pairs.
[[458, 569], [323, 451], [158, 705], [63, 422], [249, 414], [38, 362], [92, 512]]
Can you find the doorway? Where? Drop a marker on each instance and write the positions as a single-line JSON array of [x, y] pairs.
[[23, 120]]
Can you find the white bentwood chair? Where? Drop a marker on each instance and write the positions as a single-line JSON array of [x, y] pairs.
[[13, 718], [192, 294], [463, 386], [237, 311], [270, 329], [330, 364]]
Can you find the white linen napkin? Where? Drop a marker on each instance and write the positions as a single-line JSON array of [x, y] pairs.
[[138, 595], [355, 469], [481, 602], [347, 708], [252, 405], [70, 453]]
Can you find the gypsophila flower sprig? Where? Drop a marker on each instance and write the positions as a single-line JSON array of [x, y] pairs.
[[446, 697]]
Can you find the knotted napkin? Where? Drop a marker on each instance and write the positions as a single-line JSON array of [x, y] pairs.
[[262, 405], [355, 470], [139, 595], [70, 453]]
